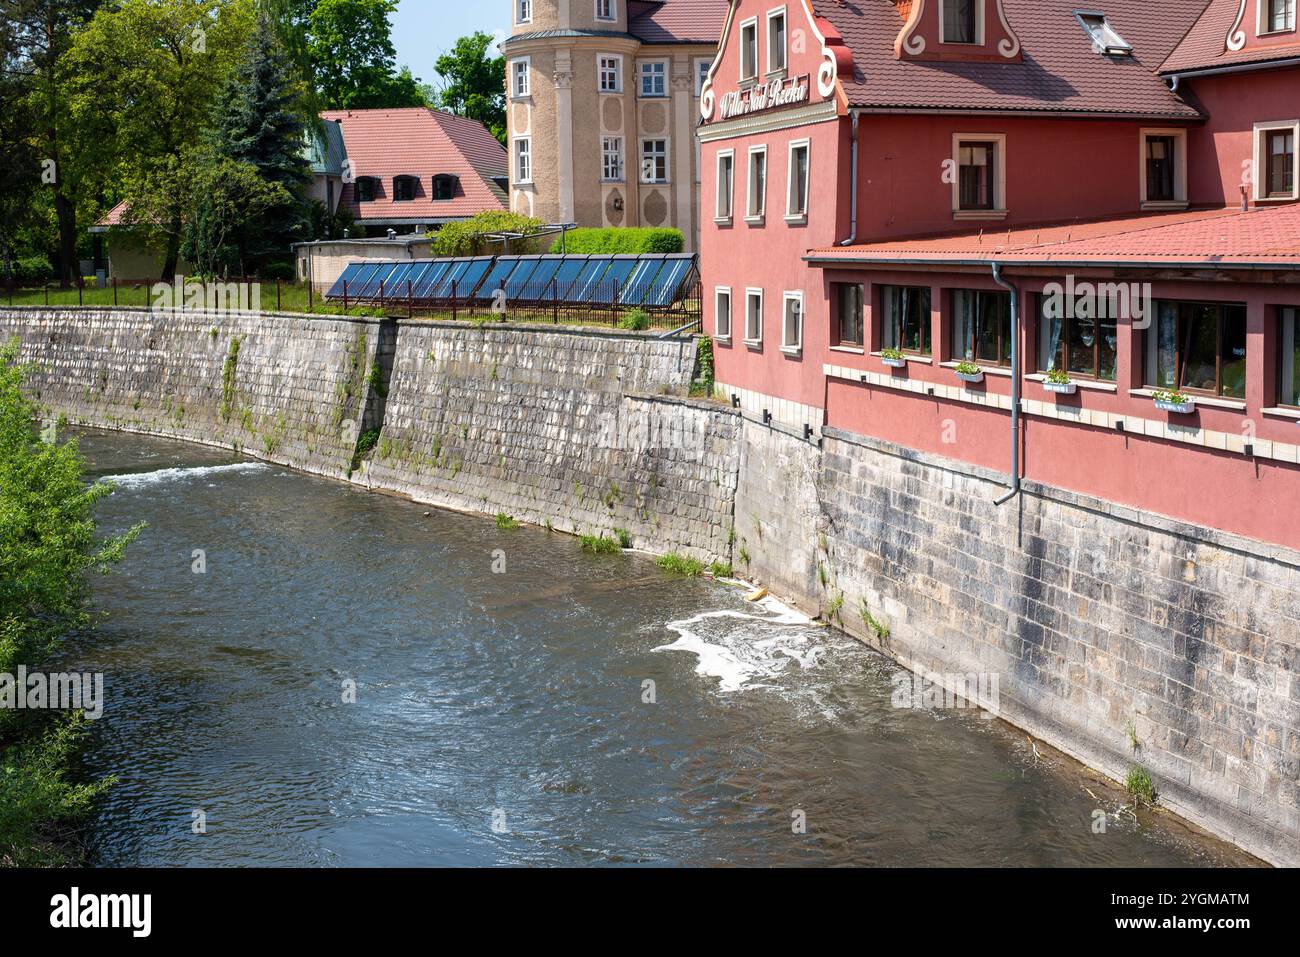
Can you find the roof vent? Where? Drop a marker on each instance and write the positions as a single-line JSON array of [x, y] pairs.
[[1105, 38]]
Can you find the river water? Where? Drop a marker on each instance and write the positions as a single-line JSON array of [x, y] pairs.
[[504, 715]]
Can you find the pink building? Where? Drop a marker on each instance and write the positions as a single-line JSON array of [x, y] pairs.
[[1057, 241]]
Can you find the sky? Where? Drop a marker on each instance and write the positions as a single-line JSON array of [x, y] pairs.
[[424, 29]]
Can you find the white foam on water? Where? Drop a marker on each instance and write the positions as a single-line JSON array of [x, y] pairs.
[[142, 479]]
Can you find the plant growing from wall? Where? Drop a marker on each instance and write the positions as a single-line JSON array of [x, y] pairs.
[[599, 544], [874, 625], [704, 366], [506, 522], [720, 570], [680, 565], [833, 609], [624, 537], [1139, 784], [228, 372]]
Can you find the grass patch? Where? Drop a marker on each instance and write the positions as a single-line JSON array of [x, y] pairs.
[[680, 565], [1138, 783], [624, 537], [506, 522], [874, 625], [600, 544], [720, 570]]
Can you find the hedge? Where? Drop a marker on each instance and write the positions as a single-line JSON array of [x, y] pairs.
[[466, 238], [620, 240], [35, 268]]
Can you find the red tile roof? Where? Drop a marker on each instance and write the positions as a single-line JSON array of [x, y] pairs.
[[1266, 238], [1060, 72], [1206, 43], [422, 143], [677, 21]]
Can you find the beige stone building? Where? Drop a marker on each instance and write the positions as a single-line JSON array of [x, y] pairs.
[[602, 101]]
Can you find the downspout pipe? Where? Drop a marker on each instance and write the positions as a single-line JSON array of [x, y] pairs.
[[1015, 383], [853, 180]]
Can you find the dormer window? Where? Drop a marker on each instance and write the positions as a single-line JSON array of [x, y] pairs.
[[444, 187], [961, 21], [404, 188], [367, 187], [1105, 38], [1276, 16]]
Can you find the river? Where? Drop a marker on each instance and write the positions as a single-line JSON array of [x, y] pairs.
[[516, 702]]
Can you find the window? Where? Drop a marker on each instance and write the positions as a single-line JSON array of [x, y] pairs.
[[1105, 38], [905, 319], [722, 312], [611, 159], [1080, 345], [1280, 159], [605, 10], [796, 206], [776, 40], [444, 187], [1200, 347], [520, 84], [848, 299], [1276, 16], [404, 188], [749, 50], [654, 161], [654, 78], [523, 11], [961, 21], [367, 189], [977, 165], [756, 184], [610, 70], [702, 68], [754, 316], [792, 321], [1289, 353], [981, 326], [1164, 167], [524, 159], [726, 186]]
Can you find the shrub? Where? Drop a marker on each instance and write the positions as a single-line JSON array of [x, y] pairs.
[[635, 320], [468, 238], [281, 271], [35, 268], [619, 241]]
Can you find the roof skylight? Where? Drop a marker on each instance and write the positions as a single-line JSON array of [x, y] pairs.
[[1105, 38]]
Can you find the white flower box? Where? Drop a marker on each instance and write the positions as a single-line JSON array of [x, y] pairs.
[[1179, 408], [1061, 388], [894, 363], [971, 377]]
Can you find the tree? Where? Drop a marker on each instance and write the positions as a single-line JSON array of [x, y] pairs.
[[257, 127], [155, 67], [353, 58], [19, 163], [474, 83]]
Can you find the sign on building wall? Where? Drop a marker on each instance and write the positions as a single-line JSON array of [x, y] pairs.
[[766, 97]]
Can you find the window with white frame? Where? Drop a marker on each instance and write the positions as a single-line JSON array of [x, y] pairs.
[[756, 184], [962, 21], [980, 177], [1276, 16], [523, 11], [610, 71], [776, 57], [754, 316], [1275, 160], [726, 186], [654, 161], [749, 50], [722, 312], [654, 78], [796, 205], [611, 159], [1164, 167], [702, 67], [606, 10], [523, 159], [520, 83], [792, 321], [1289, 356]]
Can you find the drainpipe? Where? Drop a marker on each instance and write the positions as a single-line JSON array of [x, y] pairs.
[[853, 181], [1015, 383]]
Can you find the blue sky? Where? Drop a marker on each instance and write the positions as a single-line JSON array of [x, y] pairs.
[[424, 29]]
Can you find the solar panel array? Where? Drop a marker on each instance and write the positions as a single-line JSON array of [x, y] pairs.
[[651, 281]]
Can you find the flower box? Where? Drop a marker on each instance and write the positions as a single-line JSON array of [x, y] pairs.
[[971, 377], [1061, 388], [1186, 407], [894, 363]]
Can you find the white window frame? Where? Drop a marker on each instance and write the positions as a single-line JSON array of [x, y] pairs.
[[617, 58], [756, 203], [701, 76], [1261, 22], [979, 25], [752, 293], [791, 215], [613, 10], [751, 23], [1261, 134], [719, 217], [515, 64], [620, 159], [641, 76], [999, 210], [520, 7], [788, 347], [527, 143], [785, 50], [1180, 169], [668, 154], [718, 293]]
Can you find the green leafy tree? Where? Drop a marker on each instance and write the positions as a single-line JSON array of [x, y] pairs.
[[48, 546], [474, 83], [351, 48], [232, 204], [472, 236], [19, 162]]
